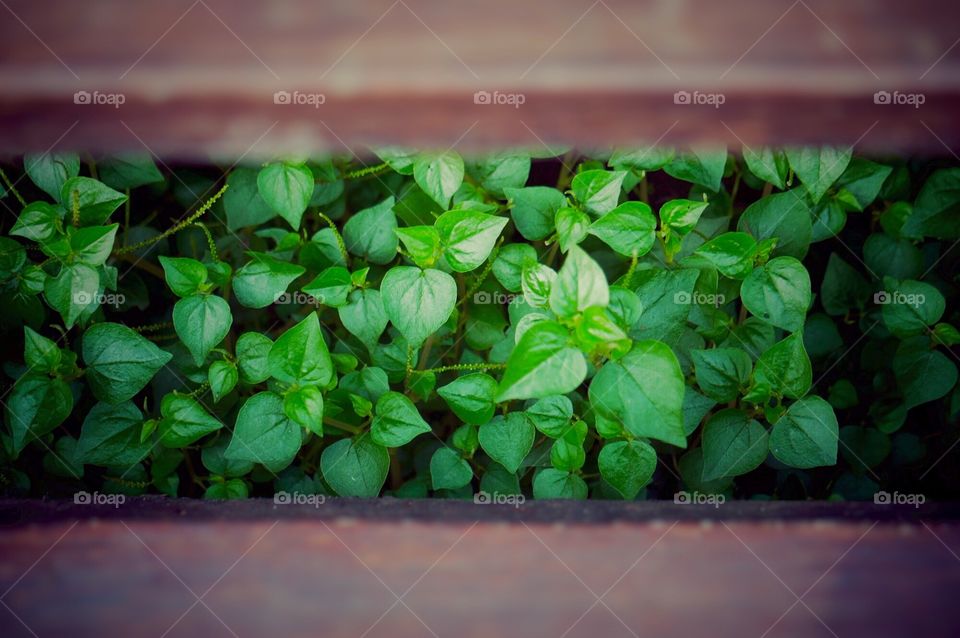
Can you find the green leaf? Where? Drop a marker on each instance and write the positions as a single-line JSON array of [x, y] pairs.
[[785, 367], [355, 467], [331, 286], [242, 202], [508, 439], [286, 187], [554, 484], [468, 237], [702, 166], [681, 215], [806, 435], [572, 227], [263, 280], [418, 301], [184, 276], [448, 471], [370, 233], [644, 391], [731, 253], [499, 172], [843, 288], [39, 222], [923, 374], [264, 433], [510, 262], [580, 284], [534, 209], [119, 361], [818, 168], [129, 170], [397, 421], [784, 216], [630, 229], [223, 377], [886, 256], [202, 322], [908, 307], [93, 244], [651, 158], [536, 281], [72, 292], [439, 175], [733, 444], [110, 436], [50, 171], [779, 293], [422, 244], [41, 354], [722, 372], [768, 164], [471, 397], [184, 421], [551, 415], [253, 351], [364, 315], [598, 191], [305, 406], [627, 466], [300, 355], [935, 210], [97, 201], [541, 364], [36, 405]]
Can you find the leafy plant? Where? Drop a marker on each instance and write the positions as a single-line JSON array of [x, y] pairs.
[[613, 325]]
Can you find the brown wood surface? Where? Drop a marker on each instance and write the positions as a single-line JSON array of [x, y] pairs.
[[198, 76], [466, 570]]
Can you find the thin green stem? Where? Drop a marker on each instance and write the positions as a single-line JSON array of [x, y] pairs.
[[75, 207], [633, 267], [177, 227], [366, 171], [211, 244], [336, 233], [462, 367], [10, 187]]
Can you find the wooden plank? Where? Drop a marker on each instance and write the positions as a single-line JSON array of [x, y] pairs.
[[465, 570], [198, 77]]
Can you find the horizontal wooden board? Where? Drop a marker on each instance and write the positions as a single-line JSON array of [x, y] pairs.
[[198, 78], [402, 568]]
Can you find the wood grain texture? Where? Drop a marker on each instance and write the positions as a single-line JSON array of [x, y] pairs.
[[337, 570], [198, 76]]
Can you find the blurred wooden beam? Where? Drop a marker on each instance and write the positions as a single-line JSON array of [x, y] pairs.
[[198, 77], [470, 570]]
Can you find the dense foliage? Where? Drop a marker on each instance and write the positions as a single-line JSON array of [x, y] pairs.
[[634, 323]]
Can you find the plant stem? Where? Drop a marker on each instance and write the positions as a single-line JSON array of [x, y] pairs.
[[366, 171], [177, 227], [336, 233], [11, 188], [463, 366]]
